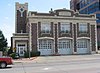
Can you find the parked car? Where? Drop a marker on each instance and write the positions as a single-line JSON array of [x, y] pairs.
[[4, 61], [17, 56]]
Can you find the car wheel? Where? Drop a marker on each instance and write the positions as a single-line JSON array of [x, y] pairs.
[[3, 64]]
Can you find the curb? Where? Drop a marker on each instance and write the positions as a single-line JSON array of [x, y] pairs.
[[24, 60], [49, 59]]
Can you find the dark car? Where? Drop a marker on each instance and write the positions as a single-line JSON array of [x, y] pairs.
[[17, 56]]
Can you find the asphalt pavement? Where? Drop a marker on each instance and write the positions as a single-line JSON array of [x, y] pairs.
[[47, 59], [56, 64]]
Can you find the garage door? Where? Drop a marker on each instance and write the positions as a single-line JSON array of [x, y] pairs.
[[64, 47], [83, 46], [46, 47]]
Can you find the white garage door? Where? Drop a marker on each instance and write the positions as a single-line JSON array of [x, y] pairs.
[[46, 47], [64, 47], [83, 46]]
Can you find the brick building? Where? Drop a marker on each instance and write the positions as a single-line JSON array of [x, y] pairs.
[[59, 31], [88, 7]]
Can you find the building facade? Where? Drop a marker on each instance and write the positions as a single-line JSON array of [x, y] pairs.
[[88, 7], [74, 5], [60, 31]]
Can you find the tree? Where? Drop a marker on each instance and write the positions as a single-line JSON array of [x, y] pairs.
[[3, 42], [10, 51]]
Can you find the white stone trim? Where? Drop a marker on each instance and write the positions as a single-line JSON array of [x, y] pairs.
[[65, 38], [96, 37], [90, 39], [35, 20], [83, 38], [21, 43], [61, 18], [20, 37], [13, 43], [46, 38], [64, 13], [54, 36], [14, 39]]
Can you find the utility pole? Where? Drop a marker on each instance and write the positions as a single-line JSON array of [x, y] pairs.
[[29, 40]]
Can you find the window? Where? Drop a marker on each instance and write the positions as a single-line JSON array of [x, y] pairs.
[[45, 28], [45, 44], [98, 16], [65, 27], [21, 51], [83, 28], [82, 44], [21, 10], [21, 44], [63, 44]]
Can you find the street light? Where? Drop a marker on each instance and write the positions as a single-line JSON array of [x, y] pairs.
[[29, 26], [1, 53]]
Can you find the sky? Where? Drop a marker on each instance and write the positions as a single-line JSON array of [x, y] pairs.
[[7, 12]]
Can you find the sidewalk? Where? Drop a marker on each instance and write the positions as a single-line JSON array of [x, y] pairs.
[[24, 60], [45, 59]]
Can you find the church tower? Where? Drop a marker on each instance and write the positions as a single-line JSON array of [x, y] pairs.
[[21, 17]]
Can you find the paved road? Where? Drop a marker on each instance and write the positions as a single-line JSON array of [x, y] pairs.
[[62, 66]]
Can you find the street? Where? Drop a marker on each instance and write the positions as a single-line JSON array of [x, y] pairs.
[[89, 65]]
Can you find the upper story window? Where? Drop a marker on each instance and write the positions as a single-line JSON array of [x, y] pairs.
[[83, 28], [65, 27], [45, 27]]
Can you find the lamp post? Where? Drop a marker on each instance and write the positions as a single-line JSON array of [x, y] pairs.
[[29, 26], [1, 53]]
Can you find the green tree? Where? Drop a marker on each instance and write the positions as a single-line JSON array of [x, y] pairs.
[[3, 42]]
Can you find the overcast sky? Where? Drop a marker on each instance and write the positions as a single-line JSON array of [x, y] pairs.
[[7, 12]]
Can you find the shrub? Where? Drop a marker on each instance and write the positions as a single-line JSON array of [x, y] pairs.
[[35, 53], [32, 54], [26, 54], [13, 55]]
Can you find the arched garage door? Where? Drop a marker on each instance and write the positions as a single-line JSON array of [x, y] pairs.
[[83, 46], [65, 47], [46, 47]]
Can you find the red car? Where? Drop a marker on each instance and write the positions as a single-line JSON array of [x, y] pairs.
[[4, 61]]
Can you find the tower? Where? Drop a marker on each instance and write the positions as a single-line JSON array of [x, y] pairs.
[[21, 17]]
